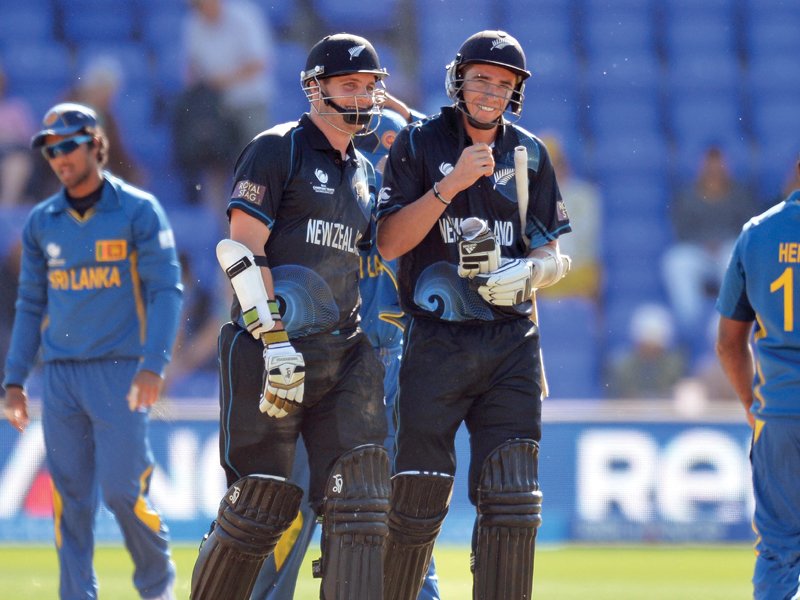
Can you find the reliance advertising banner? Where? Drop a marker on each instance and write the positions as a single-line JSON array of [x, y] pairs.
[[612, 474]]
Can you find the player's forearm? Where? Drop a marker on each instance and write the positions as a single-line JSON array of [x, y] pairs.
[[25, 340], [163, 317], [737, 363], [403, 230]]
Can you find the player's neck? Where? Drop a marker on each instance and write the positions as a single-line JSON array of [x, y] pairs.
[[338, 138], [479, 136]]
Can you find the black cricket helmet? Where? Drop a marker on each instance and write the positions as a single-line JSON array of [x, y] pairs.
[[344, 54], [341, 54], [491, 47], [65, 119]]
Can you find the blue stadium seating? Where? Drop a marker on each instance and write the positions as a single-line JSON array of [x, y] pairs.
[[92, 21], [773, 75], [608, 117], [570, 336], [704, 73], [137, 70], [373, 16], [625, 33], [38, 67], [629, 198], [699, 36], [162, 26], [23, 21], [624, 76], [633, 154], [705, 118], [774, 35]]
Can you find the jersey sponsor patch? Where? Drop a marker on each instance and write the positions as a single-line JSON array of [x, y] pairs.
[[166, 239], [250, 191], [561, 210], [110, 250]]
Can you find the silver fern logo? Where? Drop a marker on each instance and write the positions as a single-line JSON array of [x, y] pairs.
[[503, 176], [499, 44], [355, 51]]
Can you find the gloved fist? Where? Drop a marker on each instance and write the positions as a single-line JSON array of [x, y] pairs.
[[478, 251], [284, 377], [508, 285]]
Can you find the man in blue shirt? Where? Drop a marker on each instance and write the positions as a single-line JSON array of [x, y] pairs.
[[757, 301], [100, 293]]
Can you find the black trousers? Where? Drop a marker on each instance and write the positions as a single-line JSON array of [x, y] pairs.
[[485, 374], [342, 406]]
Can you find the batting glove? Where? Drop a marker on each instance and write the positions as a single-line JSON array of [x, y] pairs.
[[478, 251], [509, 285], [284, 376]]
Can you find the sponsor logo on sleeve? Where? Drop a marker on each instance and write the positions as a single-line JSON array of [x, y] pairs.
[[166, 239], [250, 191]]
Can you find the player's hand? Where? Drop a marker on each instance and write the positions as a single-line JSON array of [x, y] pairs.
[[508, 285], [478, 251], [284, 378], [145, 390], [16, 408], [475, 162]]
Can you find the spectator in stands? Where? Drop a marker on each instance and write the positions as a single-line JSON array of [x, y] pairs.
[[653, 365], [583, 246], [707, 215], [98, 87], [9, 275], [17, 125], [229, 52]]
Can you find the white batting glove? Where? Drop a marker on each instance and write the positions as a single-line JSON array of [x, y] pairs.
[[478, 251], [284, 376], [509, 285]]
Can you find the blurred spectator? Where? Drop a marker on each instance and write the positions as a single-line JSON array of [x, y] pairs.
[[709, 373], [17, 125], [707, 216], [203, 314], [98, 86], [229, 52], [9, 275], [653, 365], [584, 204]]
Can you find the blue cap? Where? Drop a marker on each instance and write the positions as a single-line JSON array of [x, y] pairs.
[[65, 119]]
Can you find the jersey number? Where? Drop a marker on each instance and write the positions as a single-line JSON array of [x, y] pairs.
[[786, 281]]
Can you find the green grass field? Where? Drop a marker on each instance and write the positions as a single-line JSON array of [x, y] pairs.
[[562, 573]]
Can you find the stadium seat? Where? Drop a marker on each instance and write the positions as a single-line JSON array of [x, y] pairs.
[[776, 117], [709, 73], [773, 35], [38, 66], [770, 75], [705, 118], [293, 102], [548, 28], [775, 160], [629, 198], [162, 27], [555, 73], [279, 15], [25, 21], [642, 154], [689, 152], [624, 76], [608, 117], [92, 21], [699, 36], [372, 16], [569, 329], [625, 33]]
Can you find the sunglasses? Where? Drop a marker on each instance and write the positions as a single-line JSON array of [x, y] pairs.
[[65, 146]]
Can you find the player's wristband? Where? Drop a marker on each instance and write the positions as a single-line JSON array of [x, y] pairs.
[[439, 197], [273, 310], [274, 337]]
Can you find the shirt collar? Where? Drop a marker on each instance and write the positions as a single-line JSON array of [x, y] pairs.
[[108, 200], [318, 141], [454, 121]]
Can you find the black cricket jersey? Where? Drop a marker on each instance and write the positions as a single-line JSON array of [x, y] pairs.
[[317, 206], [424, 153]]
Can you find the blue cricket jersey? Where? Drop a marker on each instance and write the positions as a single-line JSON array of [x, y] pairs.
[[382, 319], [762, 284], [102, 285]]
